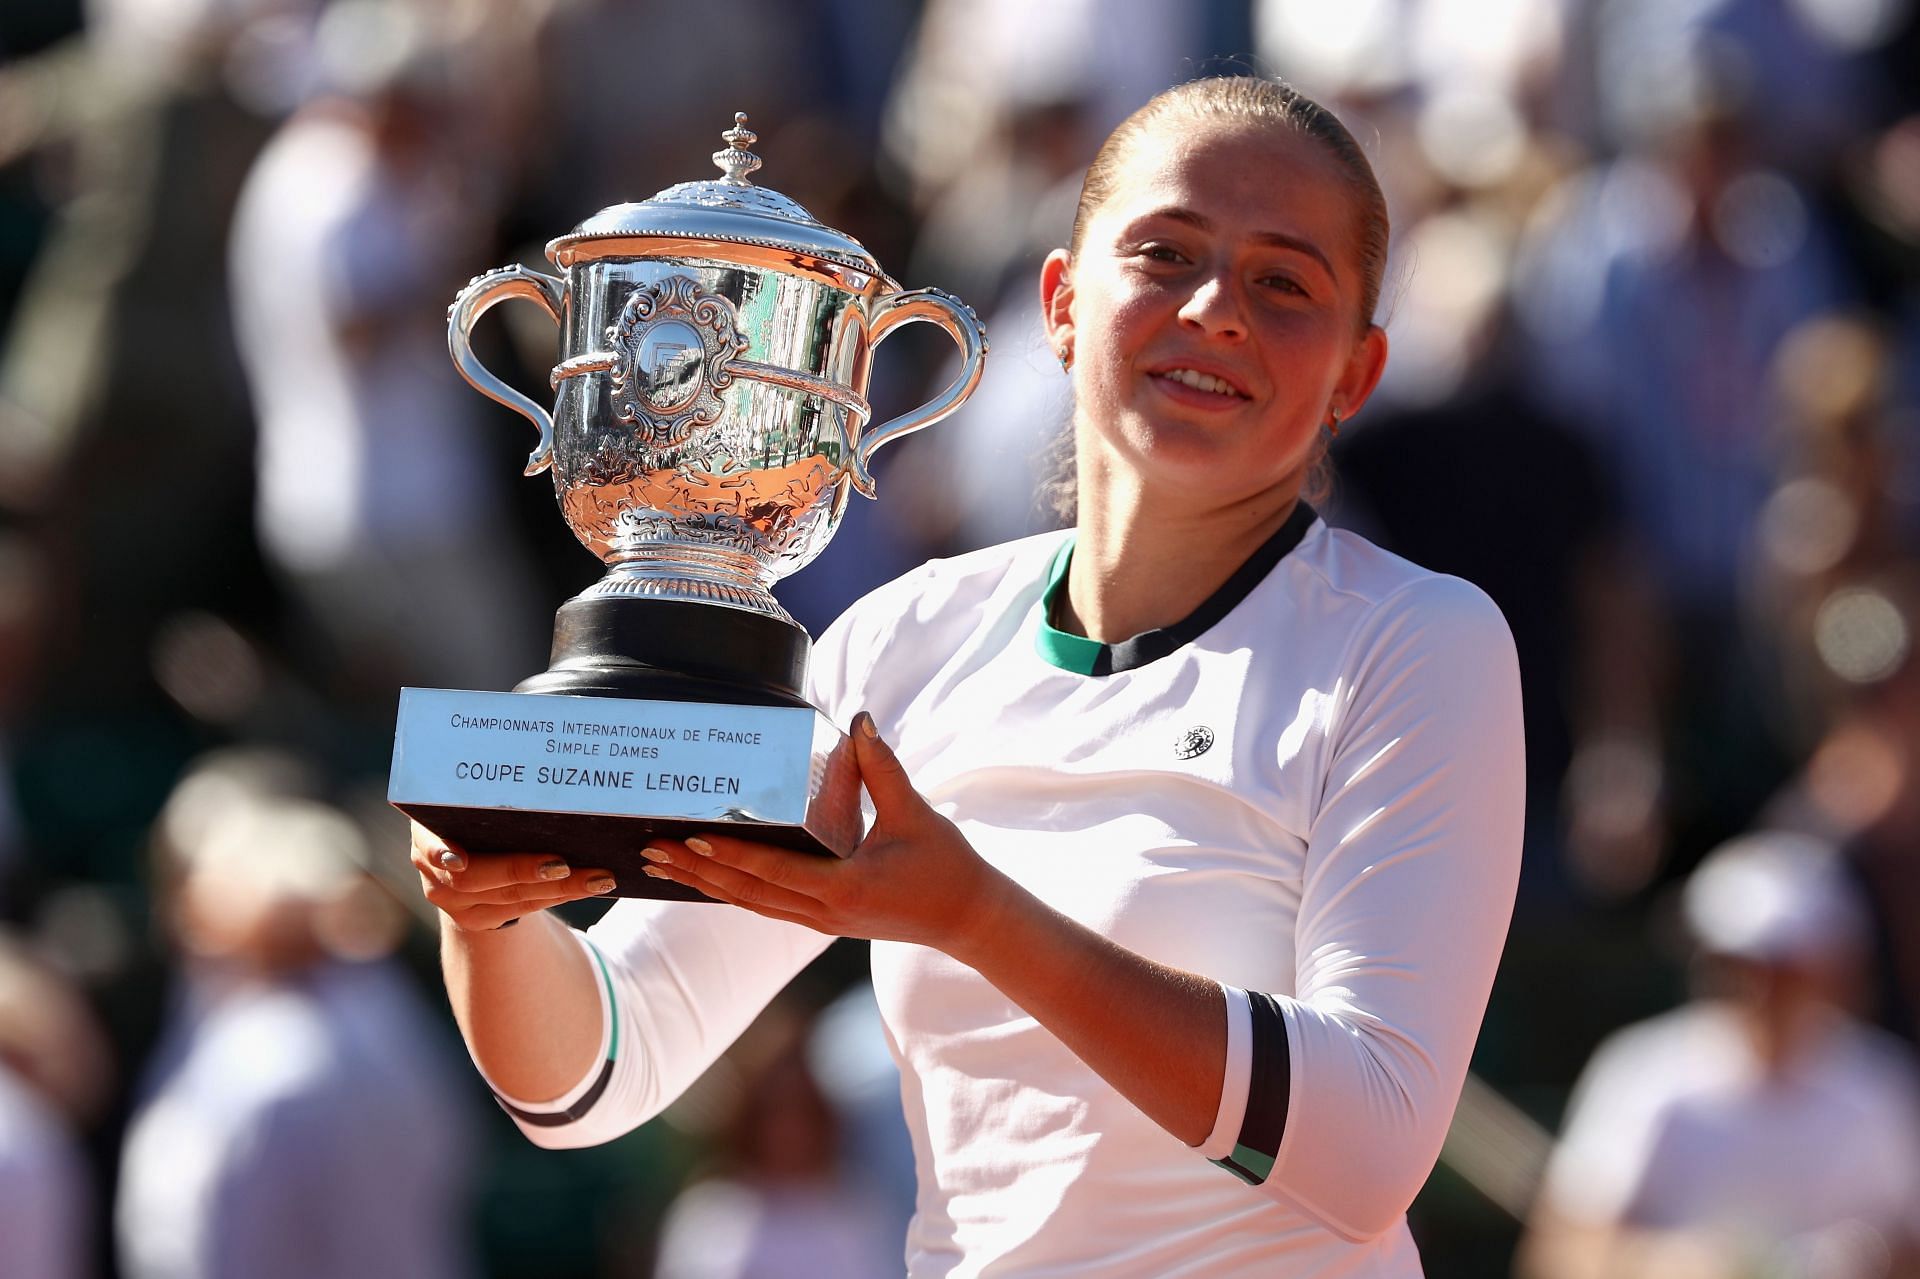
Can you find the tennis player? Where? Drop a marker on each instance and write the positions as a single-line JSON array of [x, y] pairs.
[[1197, 825]]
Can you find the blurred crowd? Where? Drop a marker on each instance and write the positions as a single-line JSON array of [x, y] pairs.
[[1655, 386]]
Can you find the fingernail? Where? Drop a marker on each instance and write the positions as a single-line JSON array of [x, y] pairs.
[[554, 870], [654, 872], [864, 722], [698, 845], [450, 860], [600, 884], [653, 854]]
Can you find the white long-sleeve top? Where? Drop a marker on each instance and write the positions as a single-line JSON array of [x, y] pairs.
[[1315, 801]]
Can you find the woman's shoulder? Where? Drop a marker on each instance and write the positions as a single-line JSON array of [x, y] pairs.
[[1373, 584], [931, 611], [965, 583]]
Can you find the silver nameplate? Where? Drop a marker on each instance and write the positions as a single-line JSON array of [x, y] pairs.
[[527, 752]]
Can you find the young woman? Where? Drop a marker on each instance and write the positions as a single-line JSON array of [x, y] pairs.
[[1197, 825]]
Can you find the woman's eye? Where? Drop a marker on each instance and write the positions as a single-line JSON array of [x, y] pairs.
[[1162, 253], [1284, 284]]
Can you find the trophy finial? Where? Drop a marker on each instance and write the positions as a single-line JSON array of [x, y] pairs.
[[736, 161]]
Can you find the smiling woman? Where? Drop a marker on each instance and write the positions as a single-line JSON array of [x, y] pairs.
[[1214, 313], [1196, 840]]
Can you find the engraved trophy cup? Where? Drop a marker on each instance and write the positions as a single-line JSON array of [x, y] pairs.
[[709, 425]]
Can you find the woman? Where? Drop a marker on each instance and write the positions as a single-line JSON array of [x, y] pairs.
[[1200, 824]]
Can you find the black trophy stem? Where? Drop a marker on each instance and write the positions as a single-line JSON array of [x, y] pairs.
[[673, 650]]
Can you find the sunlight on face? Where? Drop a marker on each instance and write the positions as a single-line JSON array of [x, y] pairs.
[[1213, 313]]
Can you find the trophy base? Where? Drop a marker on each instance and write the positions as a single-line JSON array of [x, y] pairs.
[[593, 841], [657, 719], [672, 650]]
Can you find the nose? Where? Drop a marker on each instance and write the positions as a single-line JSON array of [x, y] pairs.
[[1214, 307]]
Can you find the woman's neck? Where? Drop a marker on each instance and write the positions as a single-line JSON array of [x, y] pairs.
[[1140, 566]]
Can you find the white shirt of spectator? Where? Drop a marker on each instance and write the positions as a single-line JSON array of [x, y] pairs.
[[1674, 1126]]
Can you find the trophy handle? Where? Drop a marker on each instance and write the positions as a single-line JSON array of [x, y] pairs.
[[930, 306], [481, 293]]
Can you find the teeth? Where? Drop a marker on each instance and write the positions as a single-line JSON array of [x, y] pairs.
[[1200, 381]]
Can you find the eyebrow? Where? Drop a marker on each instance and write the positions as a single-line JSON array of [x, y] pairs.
[[1278, 239]]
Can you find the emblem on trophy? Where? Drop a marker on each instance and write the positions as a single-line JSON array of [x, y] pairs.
[[672, 345], [709, 424]]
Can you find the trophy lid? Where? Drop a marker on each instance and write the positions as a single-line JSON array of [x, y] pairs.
[[726, 210]]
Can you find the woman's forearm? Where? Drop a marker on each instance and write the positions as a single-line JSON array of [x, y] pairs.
[[1158, 1035], [526, 997], [527, 1001]]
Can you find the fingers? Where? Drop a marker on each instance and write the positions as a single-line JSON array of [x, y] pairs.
[[731, 876], [543, 895], [493, 908], [802, 873], [487, 871], [481, 892], [880, 769], [771, 910], [505, 870], [433, 856]]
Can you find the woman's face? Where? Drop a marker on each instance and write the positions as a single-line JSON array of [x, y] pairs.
[[1212, 313]]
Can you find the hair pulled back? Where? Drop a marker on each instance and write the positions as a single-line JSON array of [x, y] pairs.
[[1244, 101], [1257, 102]]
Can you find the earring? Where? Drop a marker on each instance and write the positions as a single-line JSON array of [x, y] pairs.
[[1333, 423], [1065, 356]]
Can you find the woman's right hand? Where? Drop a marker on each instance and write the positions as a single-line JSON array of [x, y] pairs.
[[482, 892]]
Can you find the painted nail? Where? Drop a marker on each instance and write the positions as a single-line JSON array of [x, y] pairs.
[[654, 872], [698, 845], [600, 884], [653, 854], [554, 870], [450, 860]]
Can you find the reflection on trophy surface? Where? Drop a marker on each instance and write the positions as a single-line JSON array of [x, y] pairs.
[[710, 421]]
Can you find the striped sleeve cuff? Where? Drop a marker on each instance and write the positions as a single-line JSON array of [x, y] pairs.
[[1250, 1150], [1233, 1085], [578, 1100]]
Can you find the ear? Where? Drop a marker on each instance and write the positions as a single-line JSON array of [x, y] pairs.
[[1364, 367], [1056, 300]]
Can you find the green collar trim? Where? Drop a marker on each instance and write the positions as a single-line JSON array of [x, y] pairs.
[[1069, 652], [1082, 656]]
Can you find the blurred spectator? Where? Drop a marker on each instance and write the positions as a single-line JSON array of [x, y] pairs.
[[1661, 60], [1657, 292], [1860, 787], [54, 1076], [778, 1205], [1760, 1129], [1836, 520], [376, 502], [295, 1120]]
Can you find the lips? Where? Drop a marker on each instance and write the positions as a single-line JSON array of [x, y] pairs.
[[1204, 381]]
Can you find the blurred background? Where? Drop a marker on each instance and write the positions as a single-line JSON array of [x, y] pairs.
[[1655, 314]]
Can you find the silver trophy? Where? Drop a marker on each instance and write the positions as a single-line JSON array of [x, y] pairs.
[[710, 422]]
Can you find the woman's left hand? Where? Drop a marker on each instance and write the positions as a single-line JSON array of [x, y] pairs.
[[914, 878]]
